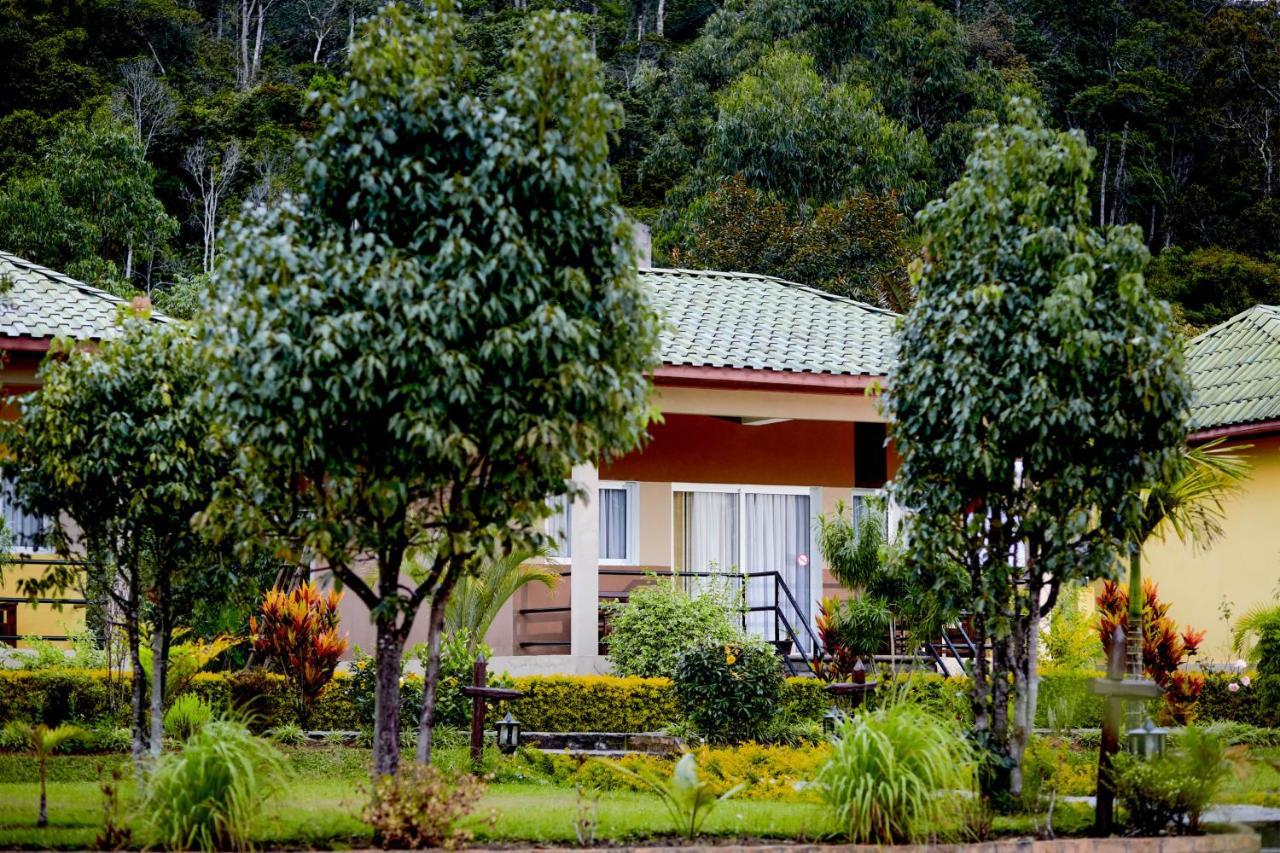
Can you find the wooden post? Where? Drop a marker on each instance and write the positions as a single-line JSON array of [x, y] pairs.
[[479, 680], [1115, 689], [1104, 818]]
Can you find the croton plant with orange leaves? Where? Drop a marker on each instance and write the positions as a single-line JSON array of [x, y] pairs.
[[298, 629], [1164, 648]]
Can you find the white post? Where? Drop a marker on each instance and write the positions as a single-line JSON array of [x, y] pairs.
[[584, 586]]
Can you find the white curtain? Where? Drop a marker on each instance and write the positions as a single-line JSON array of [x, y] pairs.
[[560, 526], [25, 529], [707, 524], [778, 541], [613, 524]]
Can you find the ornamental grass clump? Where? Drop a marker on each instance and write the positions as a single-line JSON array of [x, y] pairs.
[[898, 774], [207, 796]]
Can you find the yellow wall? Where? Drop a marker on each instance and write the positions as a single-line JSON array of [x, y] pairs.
[[44, 619], [1240, 570]]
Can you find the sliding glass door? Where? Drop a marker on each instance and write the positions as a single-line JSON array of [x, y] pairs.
[[746, 530]]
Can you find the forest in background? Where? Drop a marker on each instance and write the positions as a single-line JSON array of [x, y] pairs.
[[790, 137]]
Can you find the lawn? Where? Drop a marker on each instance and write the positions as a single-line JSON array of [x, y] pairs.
[[320, 807]]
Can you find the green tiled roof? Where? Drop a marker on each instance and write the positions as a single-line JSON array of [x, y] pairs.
[[1235, 370], [726, 319], [36, 302]]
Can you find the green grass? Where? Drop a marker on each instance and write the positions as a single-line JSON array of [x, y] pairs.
[[325, 814], [321, 806]]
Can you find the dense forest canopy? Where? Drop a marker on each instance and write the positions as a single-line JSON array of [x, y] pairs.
[[794, 137]]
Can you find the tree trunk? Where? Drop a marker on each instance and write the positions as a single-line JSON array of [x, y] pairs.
[[1026, 629], [427, 724], [386, 708], [139, 686], [128, 263], [661, 22], [159, 676], [43, 820]]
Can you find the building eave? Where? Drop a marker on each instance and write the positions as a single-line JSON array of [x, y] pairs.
[[1257, 428], [748, 379]]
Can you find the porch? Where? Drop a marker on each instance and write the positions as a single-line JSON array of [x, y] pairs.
[[730, 484]]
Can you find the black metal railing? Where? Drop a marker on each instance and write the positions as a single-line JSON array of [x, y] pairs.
[[960, 647], [794, 630]]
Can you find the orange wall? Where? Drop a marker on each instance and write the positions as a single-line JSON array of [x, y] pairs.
[[701, 449]]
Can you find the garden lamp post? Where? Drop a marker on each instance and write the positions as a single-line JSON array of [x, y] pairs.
[[1115, 689], [1147, 740], [508, 734], [831, 721]]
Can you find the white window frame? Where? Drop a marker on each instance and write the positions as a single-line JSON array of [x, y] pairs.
[[552, 557], [742, 490], [893, 514], [632, 558]]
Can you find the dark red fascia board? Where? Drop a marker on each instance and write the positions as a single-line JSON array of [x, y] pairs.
[[26, 344], [749, 379], [1258, 428]]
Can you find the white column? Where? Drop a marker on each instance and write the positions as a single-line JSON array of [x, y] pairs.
[[584, 586]]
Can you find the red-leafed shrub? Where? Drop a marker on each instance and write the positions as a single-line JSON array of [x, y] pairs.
[[298, 630], [1163, 649]]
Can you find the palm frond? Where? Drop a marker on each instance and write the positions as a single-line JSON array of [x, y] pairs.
[[478, 598], [1191, 505], [1249, 626]]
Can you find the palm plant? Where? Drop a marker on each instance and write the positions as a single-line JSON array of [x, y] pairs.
[[1190, 504], [1250, 627], [44, 741], [477, 599], [688, 799]]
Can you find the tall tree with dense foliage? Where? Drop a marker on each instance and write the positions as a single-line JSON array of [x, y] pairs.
[[409, 358], [114, 447], [1039, 389]]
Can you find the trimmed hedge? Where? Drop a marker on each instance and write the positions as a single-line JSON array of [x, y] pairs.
[[56, 696], [575, 703]]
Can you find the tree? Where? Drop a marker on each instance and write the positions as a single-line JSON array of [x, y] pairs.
[[409, 358], [478, 598], [93, 199], [212, 172], [786, 131], [114, 446], [144, 103], [1211, 285], [43, 741], [298, 629], [1039, 389]]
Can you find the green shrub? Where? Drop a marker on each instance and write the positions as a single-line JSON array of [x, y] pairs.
[[569, 703], [650, 630], [895, 775], [729, 691], [187, 715], [1249, 702], [1169, 793], [421, 807], [457, 670], [56, 696], [208, 795]]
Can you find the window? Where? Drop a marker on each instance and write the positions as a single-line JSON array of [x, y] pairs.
[[27, 530], [560, 526], [764, 533], [619, 529], [866, 502]]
